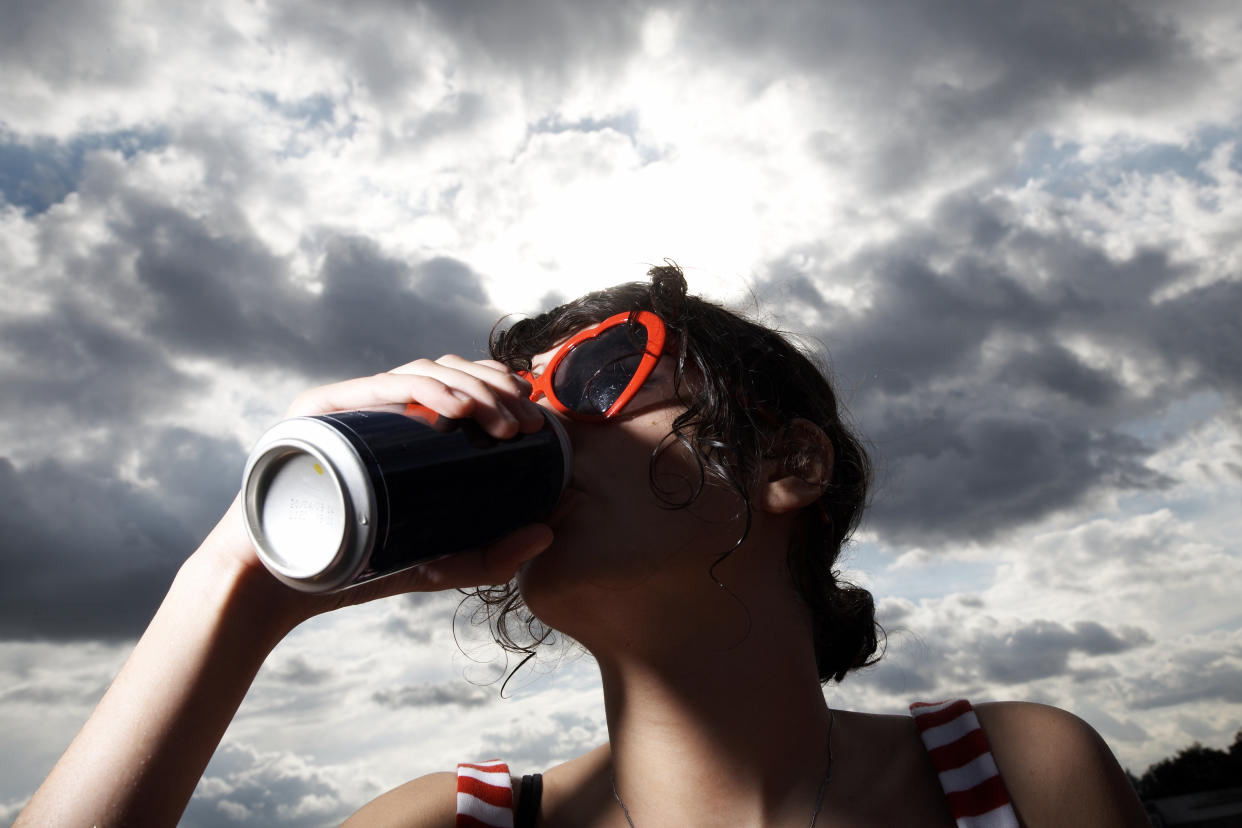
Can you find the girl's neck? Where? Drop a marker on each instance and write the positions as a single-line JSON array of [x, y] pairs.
[[737, 735]]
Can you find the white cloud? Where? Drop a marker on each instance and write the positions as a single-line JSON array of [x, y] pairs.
[[1145, 609]]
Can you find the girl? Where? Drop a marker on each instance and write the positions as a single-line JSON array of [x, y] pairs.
[[693, 555]]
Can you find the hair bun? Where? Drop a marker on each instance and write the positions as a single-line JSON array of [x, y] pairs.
[[668, 291]]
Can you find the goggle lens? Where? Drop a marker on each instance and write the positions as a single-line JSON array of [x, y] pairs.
[[595, 373]]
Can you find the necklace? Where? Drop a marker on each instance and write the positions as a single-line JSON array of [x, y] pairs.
[[819, 795]]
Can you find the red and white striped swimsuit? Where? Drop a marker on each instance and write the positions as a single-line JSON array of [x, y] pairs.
[[484, 795], [963, 761], [950, 731]]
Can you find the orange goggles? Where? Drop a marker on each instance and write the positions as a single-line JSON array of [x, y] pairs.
[[599, 370]]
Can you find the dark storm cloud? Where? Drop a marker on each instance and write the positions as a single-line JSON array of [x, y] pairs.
[[1041, 649], [1189, 675], [948, 659], [958, 366], [91, 552], [225, 296], [299, 671], [404, 628], [625, 123], [192, 472], [419, 615], [433, 695], [931, 77], [378, 41], [1222, 684], [76, 359], [954, 472], [1204, 329], [1060, 46], [1057, 370], [63, 41], [371, 39], [163, 285], [895, 678], [546, 34], [90, 555]]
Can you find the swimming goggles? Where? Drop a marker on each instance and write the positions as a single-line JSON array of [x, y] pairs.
[[598, 371]]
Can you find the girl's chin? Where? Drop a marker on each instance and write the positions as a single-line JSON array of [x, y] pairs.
[[573, 579]]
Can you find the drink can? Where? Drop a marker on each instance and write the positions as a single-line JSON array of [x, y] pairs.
[[338, 499]]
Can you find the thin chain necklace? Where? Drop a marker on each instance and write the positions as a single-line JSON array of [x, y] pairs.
[[819, 795]]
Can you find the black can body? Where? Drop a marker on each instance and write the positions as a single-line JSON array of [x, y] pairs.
[[338, 499]]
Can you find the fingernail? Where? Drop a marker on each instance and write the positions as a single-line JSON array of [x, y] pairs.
[[461, 395]]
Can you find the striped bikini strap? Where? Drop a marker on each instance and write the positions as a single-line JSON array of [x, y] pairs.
[[484, 795], [959, 751]]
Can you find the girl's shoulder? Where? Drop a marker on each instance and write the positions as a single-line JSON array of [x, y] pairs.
[[1057, 768], [426, 802], [569, 790]]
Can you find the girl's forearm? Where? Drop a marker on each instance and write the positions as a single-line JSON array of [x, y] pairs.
[[140, 754]]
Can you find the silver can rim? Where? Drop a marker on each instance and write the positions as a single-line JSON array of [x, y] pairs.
[[317, 438]]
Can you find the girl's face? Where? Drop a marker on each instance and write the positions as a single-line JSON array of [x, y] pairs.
[[616, 540]]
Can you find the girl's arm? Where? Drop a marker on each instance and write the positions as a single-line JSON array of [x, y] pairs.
[[140, 754]]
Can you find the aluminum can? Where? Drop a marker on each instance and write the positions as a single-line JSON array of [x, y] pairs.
[[338, 499]]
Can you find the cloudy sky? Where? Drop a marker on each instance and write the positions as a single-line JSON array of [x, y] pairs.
[[1013, 230]]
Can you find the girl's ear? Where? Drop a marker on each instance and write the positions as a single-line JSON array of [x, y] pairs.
[[800, 470]]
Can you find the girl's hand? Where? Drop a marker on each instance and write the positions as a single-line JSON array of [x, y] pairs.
[[485, 391]]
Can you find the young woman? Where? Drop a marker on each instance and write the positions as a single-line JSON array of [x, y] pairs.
[[693, 555]]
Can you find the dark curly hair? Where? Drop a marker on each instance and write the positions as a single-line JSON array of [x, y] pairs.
[[749, 383]]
